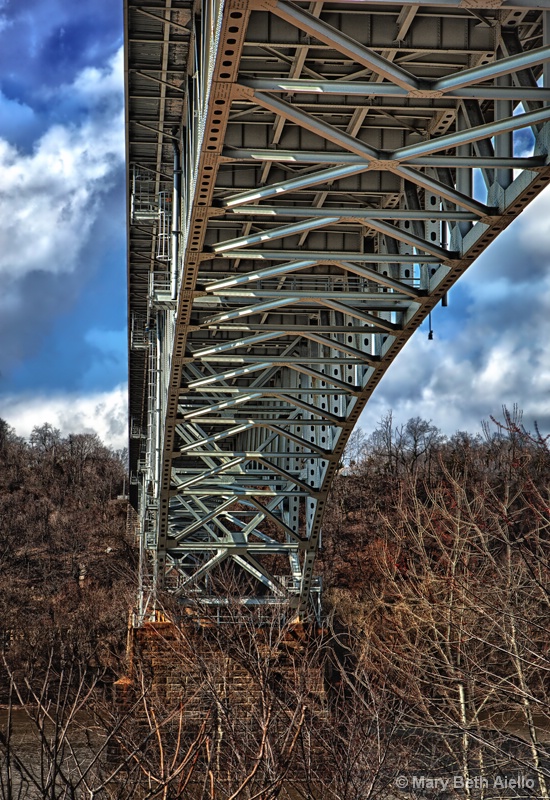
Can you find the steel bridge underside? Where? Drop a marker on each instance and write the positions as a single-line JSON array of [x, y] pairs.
[[306, 182]]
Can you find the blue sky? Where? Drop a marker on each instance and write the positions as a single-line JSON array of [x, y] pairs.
[[63, 264], [62, 199]]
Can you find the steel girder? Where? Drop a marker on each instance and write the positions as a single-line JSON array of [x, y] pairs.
[[330, 152]]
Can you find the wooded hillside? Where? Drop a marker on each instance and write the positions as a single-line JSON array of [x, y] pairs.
[[432, 659], [68, 569], [436, 559]]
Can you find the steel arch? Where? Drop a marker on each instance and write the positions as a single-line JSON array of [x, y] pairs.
[[306, 182]]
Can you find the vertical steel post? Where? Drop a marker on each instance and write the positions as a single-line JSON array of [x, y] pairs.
[[464, 177], [546, 42], [176, 214], [504, 143]]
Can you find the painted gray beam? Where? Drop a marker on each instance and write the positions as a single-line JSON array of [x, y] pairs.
[[198, 524], [209, 473], [524, 79], [315, 125], [266, 511], [412, 203], [217, 437], [358, 53], [220, 358], [258, 275], [283, 360], [542, 4], [322, 221], [313, 86], [285, 474], [473, 134], [445, 191], [293, 184], [290, 328], [485, 72], [353, 213], [311, 409], [297, 439], [270, 420], [256, 308], [245, 475], [239, 547], [328, 157], [327, 257], [350, 311], [247, 341], [303, 293], [409, 238], [228, 375], [483, 147], [251, 455], [383, 280], [371, 89], [320, 376], [234, 489], [247, 425], [197, 412], [272, 391], [274, 233], [469, 162], [334, 344], [347, 266]]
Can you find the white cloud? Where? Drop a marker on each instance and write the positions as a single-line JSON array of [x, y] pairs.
[[429, 379], [50, 198], [95, 84], [104, 413], [454, 397], [499, 351]]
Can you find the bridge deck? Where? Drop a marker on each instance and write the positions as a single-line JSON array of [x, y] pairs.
[[307, 180]]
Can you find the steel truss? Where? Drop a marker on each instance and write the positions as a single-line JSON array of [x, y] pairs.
[[333, 168]]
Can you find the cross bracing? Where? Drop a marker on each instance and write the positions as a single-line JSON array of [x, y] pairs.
[[307, 181]]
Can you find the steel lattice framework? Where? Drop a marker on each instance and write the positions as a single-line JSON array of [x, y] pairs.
[[307, 181]]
